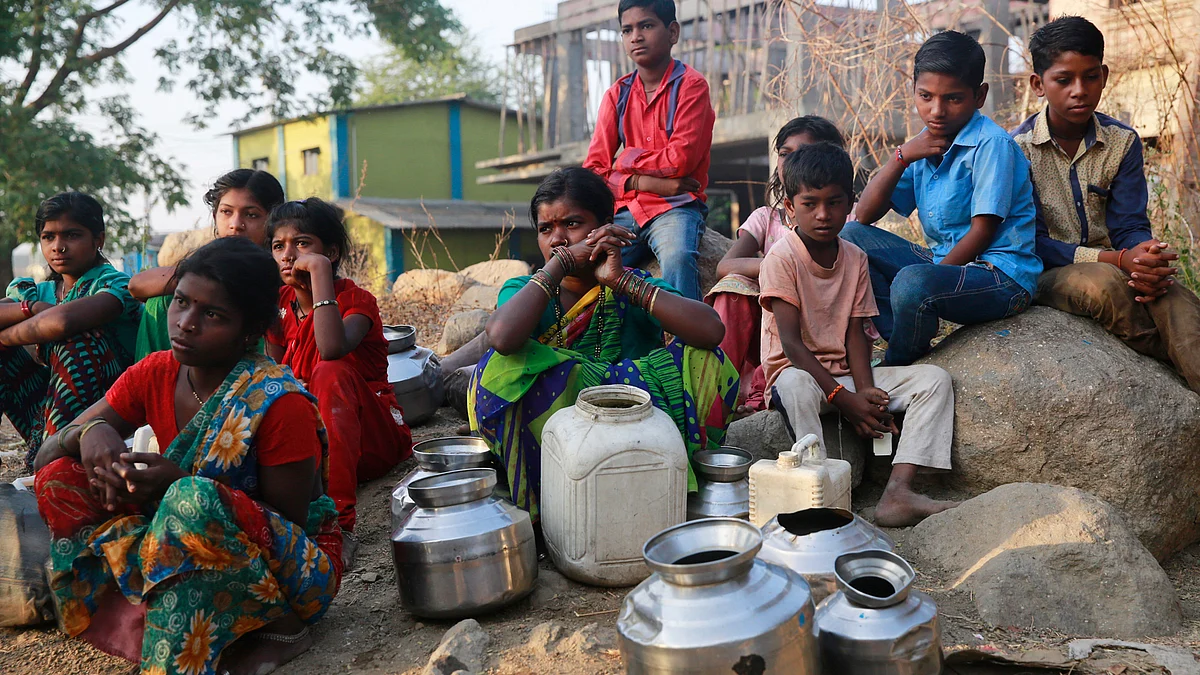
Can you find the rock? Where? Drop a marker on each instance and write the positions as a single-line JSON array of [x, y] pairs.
[[370, 577], [435, 287], [1046, 397], [463, 648], [496, 272], [1051, 557], [478, 297], [591, 639], [460, 329], [765, 434], [544, 638], [713, 247], [178, 244]]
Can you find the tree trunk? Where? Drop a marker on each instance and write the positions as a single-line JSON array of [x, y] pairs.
[[8, 241]]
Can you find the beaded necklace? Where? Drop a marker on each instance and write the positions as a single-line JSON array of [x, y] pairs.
[[558, 318]]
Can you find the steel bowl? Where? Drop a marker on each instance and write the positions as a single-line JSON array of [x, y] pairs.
[[452, 453]]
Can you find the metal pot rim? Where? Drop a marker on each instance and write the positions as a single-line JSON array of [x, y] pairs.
[[431, 454], [722, 473], [708, 532], [452, 487], [886, 564], [400, 337]]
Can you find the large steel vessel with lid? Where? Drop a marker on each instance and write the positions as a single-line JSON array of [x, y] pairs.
[[810, 541], [437, 455], [724, 487], [711, 607], [414, 373], [877, 624], [463, 551]]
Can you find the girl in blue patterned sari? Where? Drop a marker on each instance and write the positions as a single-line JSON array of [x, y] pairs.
[[224, 548]]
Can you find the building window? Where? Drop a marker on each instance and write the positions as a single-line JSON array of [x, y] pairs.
[[312, 161], [260, 164]]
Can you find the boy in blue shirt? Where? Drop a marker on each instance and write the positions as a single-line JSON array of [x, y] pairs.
[[969, 182]]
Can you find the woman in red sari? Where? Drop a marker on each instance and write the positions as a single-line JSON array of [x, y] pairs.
[[331, 335]]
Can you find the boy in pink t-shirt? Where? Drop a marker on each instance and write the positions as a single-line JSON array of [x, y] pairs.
[[816, 296], [735, 296]]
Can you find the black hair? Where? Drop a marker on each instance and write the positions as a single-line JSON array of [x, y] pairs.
[[817, 165], [952, 53], [1065, 34], [80, 208], [663, 9], [819, 129], [248, 274], [317, 217], [580, 186], [262, 185]]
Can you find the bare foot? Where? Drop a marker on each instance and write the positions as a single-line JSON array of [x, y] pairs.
[[901, 507], [258, 654], [742, 412]]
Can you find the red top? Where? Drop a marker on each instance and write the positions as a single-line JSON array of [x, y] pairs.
[[145, 394], [296, 336], [648, 151]]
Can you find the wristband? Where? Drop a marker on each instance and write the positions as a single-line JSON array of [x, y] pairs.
[[900, 157], [324, 303], [834, 393]]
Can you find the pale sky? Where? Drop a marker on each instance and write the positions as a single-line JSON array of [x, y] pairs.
[[208, 153]]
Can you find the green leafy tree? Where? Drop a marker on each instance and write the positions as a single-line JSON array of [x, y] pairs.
[[397, 77], [248, 53]]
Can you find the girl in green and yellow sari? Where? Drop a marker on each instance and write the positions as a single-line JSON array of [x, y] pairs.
[[222, 550], [584, 320]]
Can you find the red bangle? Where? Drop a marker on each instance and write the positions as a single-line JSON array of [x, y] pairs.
[[1120, 257], [27, 309], [834, 393], [900, 157]]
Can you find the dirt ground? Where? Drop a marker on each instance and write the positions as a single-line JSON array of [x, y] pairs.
[[366, 632]]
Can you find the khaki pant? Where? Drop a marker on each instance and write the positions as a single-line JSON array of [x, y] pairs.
[[1167, 328], [924, 393]]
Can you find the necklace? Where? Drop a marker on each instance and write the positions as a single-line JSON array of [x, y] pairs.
[[189, 379], [558, 318]]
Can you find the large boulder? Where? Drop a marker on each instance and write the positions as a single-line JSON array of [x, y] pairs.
[[1046, 397], [477, 297], [765, 434], [713, 247], [179, 244], [496, 272], [1050, 557], [461, 328], [434, 287]]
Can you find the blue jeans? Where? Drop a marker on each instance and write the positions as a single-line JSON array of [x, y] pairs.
[[673, 238], [913, 293]]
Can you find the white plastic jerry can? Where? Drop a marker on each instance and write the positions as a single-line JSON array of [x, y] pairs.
[[614, 474], [802, 478]]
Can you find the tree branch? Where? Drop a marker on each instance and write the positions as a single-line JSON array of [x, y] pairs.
[[35, 52], [71, 62], [134, 37]]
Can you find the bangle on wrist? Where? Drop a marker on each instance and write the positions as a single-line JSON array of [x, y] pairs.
[[89, 425], [1121, 258], [27, 309], [62, 433], [834, 393], [900, 157], [324, 303], [544, 281]]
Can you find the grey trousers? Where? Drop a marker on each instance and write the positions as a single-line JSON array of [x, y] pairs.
[[924, 393]]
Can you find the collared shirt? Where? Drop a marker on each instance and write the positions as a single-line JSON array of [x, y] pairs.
[[1091, 202], [983, 173], [648, 151]]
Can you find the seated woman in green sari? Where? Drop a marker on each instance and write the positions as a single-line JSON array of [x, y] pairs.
[[224, 548], [240, 201], [584, 320]]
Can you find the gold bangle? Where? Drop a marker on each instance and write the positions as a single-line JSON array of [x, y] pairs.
[[62, 433], [653, 298], [89, 425]]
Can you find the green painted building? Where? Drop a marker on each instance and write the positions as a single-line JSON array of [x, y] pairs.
[[406, 175]]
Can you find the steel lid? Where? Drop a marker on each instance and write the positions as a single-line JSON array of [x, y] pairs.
[[400, 338], [702, 552], [452, 487], [874, 578], [725, 464], [451, 453]]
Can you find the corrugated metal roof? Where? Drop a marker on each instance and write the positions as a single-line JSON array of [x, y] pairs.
[[444, 214], [459, 98]]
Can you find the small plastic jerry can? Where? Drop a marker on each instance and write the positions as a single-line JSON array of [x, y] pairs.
[[802, 478]]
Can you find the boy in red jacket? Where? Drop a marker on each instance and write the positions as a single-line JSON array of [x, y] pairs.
[[660, 119]]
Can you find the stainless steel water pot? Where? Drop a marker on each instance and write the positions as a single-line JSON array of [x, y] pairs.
[[414, 373], [437, 455], [711, 607], [877, 623], [463, 551], [810, 541], [724, 487]]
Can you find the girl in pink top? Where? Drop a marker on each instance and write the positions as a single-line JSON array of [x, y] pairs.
[[735, 296]]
